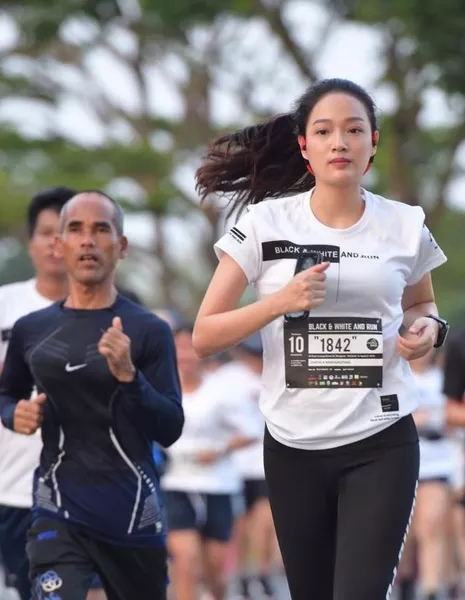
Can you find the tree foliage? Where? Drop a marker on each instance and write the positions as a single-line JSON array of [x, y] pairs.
[[149, 111]]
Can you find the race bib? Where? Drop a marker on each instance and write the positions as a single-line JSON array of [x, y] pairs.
[[334, 352]]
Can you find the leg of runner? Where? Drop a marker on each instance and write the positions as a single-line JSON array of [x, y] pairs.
[[241, 542], [263, 540], [58, 566], [184, 548], [96, 594], [406, 580], [217, 535], [14, 523], [215, 555], [255, 539], [64, 559], [306, 532], [430, 525], [342, 514], [458, 518], [376, 502]]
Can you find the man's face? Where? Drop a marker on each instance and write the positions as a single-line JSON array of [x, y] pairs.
[[89, 241], [42, 243]]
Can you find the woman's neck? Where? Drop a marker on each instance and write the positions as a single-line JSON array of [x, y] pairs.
[[338, 208]]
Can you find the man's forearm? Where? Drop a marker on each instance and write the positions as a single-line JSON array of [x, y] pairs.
[[162, 416]]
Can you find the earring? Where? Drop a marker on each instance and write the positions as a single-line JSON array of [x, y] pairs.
[[372, 158], [368, 168], [303, 146]]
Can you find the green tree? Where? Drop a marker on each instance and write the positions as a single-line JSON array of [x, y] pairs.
[[55, 64], [198, 50], [437, 32], [50, 60], [421, 51]]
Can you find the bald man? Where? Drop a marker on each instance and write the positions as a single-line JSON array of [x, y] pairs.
[[108, 387]]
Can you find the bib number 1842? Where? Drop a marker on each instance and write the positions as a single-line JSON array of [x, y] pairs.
[[334, 351], [327, 344]]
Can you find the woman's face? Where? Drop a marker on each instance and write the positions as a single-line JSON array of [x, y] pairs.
[[339, 141]]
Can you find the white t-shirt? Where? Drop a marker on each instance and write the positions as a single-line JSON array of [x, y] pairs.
[[372, 262], [213, 415], [246, 385], [19, 454], [436, 457]]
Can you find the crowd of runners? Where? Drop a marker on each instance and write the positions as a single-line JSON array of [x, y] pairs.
[[313, 436]]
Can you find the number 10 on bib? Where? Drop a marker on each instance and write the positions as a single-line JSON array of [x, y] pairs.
[[335, 352]]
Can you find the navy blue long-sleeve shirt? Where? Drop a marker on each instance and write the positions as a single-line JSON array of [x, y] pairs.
[[97, 469]]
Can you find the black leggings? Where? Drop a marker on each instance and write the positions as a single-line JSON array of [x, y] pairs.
[[341, 515]]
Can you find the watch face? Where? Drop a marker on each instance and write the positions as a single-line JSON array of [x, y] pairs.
[[443, 330]]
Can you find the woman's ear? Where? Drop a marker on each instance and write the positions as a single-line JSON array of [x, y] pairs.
[[303, 145], [375, 141]]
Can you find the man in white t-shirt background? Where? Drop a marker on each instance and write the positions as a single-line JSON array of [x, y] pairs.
[[19, 454]]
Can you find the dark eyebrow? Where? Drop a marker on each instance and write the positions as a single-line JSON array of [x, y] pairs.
[[76, 223], [346, 120], [102, 224], [73, 223]]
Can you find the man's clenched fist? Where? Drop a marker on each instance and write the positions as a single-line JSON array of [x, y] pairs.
[[28, 415]]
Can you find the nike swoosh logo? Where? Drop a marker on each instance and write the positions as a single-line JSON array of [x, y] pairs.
[[70, 369]]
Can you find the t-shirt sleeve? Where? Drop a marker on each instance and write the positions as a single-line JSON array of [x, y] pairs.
[[16, 381], [454, 370], [5, 330], [429, 256], [242, 244], [155, 393]]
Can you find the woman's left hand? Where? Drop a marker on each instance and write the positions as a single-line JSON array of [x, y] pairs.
[[418, 340]]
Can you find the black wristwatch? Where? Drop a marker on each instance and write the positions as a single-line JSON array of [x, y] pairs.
[[443, 330]]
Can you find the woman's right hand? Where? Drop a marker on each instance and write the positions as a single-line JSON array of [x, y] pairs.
[[305, 291]]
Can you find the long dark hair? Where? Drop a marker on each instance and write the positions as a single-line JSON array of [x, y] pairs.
[[264, 161]]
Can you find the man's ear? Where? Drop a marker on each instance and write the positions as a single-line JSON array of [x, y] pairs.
[[123, 247]]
